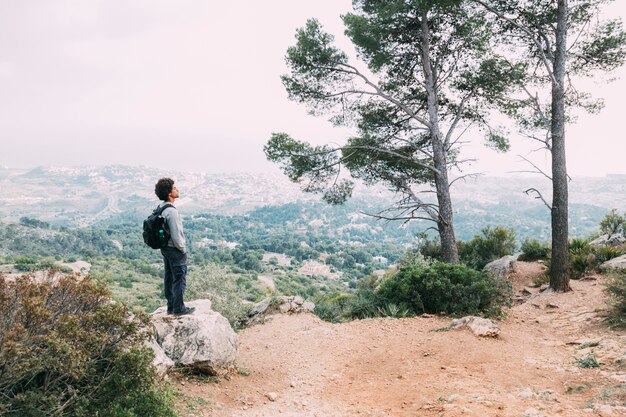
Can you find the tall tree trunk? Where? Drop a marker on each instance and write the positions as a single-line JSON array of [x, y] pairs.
[[559, 273], [442, 185]]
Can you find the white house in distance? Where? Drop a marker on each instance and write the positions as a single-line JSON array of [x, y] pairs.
[[314, 268], [381, 260]]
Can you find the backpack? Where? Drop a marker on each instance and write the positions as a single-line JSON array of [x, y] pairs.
[[155, 231]]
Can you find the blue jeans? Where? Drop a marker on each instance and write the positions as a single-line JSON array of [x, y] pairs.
[[175, 279]]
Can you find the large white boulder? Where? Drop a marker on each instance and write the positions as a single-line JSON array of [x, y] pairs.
[[618, 263], [203, 340], [616, 239], [479, 326], [161, 362], [502, 267]]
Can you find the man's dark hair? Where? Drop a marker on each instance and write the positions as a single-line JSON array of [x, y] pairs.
[[163, 188]]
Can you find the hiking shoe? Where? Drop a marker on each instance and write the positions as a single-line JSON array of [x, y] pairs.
[[184, 311]]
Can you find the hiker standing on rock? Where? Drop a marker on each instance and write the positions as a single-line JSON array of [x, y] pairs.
[[175, 252]]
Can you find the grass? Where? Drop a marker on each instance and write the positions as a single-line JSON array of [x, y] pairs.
[[576, 389], [589, 361], [242, 371]]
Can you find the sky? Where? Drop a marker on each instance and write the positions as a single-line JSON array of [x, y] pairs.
[[194, 85]]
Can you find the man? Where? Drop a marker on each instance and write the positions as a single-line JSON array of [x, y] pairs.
[[175, 253]]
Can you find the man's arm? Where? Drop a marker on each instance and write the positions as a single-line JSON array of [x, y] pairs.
[[175, 224]]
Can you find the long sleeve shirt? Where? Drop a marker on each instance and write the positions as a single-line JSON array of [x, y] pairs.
[[175, 226]]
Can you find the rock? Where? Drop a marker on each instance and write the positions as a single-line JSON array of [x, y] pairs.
[[618, 263], [503, 266], [272, 396], [203, 340], [260, 307], [526, 393], [616, 239], [531, 412], [585, 343], [478, 325], [284, 305], [604, 410], [308, 307], [161, 362]]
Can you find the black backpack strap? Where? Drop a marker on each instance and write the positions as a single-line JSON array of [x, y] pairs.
[[159, 210]]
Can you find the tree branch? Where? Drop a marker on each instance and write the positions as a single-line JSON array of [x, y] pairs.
[[538, 196], [386, 96], [546, 61], [538, 170]]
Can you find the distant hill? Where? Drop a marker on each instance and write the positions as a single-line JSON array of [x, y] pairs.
[[87, 195]]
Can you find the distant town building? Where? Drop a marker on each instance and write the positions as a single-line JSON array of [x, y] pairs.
[[229, 245], [314, 268], [381, 260], [316, 223]]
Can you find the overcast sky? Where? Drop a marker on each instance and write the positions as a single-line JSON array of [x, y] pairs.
[[194, 85]]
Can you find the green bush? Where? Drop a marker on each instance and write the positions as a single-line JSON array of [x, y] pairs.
[[494, 244], [446, 288], [66, 350], [616, 290], [581, 258], [585, 259], [430, 249], [213, 282], [338, 307], [613, 223], [606, 253], [533, 250], [332, 307]]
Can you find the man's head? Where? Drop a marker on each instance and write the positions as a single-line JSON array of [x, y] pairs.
[[166, 190]]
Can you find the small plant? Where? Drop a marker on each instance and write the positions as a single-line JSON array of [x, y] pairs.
[[243, 371], [540, 280], [616, 291], [576, 389], [581, 257], [606, 253], [393, 310], [579, 247], [589, 361]]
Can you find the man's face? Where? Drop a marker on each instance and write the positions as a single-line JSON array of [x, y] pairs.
[[174, 193]]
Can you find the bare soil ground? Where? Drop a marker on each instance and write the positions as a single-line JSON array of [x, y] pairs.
[[301, 366]]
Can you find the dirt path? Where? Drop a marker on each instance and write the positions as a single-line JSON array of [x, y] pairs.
[[405, 368]]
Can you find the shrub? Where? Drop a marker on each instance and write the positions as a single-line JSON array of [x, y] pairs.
[[494, 244], [585, 258], [533, 250], [616, 290], [606, 253], [214, 283], [431, 249], [364, 303], [445, 288], [581, 258], [331, 307], [613, 223], [67, 350]]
